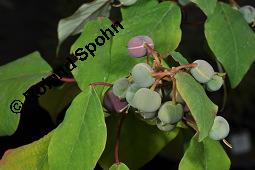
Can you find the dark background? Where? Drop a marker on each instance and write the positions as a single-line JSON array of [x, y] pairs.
[[29, 25]]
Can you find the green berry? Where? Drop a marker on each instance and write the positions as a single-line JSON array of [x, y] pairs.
[[165, 127], [141, 74], [146, 100], [148, 115], [215, 83], [132, 89], [120, 87], [203, 72], [170, 112], [119, 166], [220, 128]]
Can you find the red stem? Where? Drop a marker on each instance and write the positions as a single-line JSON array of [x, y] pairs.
[[101, 84], [67, 80], [174, 91], [116, 148]]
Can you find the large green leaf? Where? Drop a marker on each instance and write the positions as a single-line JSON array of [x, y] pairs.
[[139, 142], [57, 98], [74, 24], [28, 157], [207, 6], [202, 108], [227, 26], [208, 155], [94, 68], [79, 140], [15, 79]]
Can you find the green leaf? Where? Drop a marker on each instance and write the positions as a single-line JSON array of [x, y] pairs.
[[207, 6], [227, 26], [74, 24], [202, 108], [131, 11], [57, 98], [15, 79], [27, 157], [119, 166], [139, 142], [178, 57], [208, 155], [79, 140], [96, 68]]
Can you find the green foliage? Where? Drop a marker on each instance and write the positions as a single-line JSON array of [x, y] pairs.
[[78, 142], [94, 68], [227, 26], [59, 97], [86, 137], [208, 154], [15, 79], [207, 7], [139, 142], [178, 57], [27, 157], [74, 24], [189, 89]]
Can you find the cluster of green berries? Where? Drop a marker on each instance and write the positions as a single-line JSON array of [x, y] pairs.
[[204, 73], [156, 101]]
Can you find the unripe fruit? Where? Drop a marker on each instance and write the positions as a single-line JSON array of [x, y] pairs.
[[148, 115], [141, 74], [119, 166], [113, 103], [146, 100], [132, 89], [215, 83], [183, 2], [128, 2], [136, 46], [120, 87], [248, 13], [203, 72], [165, 127], [170, 113], [220, 128]]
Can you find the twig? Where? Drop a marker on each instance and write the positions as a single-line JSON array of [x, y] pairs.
[[154, 53], [174, 91], [101, 84], [116, 148], [191, 124], [154, 85]]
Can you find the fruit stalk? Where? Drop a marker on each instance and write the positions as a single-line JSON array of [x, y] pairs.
[[117, 144]]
